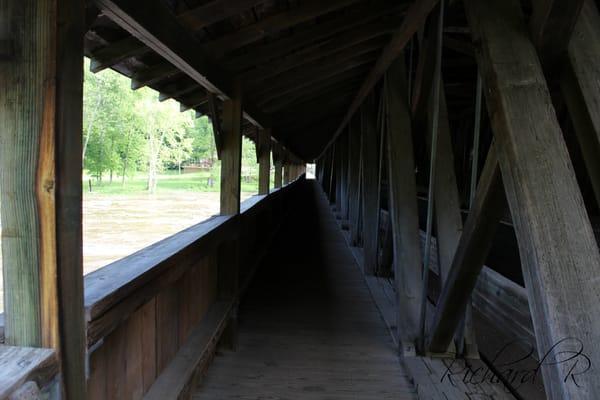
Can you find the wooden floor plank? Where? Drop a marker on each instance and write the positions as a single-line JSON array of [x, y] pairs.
[[309, 328]]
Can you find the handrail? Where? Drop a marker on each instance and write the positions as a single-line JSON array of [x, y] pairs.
[[115, 291], [26, 365], [106, 288]]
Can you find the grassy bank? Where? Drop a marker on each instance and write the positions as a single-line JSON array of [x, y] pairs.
[[204, 181]]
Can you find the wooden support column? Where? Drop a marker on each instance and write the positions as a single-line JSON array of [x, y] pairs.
[[231, 162], [343, 211], [370, 188], [287, 172], [448, 221], [264, 161], [354, 161], [404, 213], [580, 84], [339, 176], [278, 161], [231, 154], [559, 253], [40, 180], [487, 209]]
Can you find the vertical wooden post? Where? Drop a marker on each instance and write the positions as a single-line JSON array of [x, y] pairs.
[[448, 221], [557, 246], [580, 84], [231, 154], [231, 161], [344, 177], [278, 161], [354, 161], [370, 191], [285, 169], [339, 161], [404, 213], [264, 161], [40, 181]]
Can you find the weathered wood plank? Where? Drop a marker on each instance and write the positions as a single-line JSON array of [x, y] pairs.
[[354, 161], [580, 84], [158, 28], [448, 221], [264, 53], [370, 187], [278, 161], [559, 253], [207, 14], [194, 354], [19, 365], [414, 18], [264, 161], [40, 180], [231, 154], [403, 208], [488, 207], [302, 12], [552, 23]]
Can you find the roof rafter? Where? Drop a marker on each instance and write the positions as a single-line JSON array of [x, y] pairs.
[[306, 11], [415, 17], [155, 26], [360, 15]]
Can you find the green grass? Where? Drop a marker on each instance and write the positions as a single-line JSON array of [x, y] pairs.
[[167, 182]]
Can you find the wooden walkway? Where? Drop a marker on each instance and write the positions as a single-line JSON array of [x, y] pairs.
[[309, 328]]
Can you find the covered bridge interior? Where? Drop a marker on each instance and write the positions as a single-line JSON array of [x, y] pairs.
[[447, 249]]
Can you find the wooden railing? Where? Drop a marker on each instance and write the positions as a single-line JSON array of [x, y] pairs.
[[154, 318], [27, 373]]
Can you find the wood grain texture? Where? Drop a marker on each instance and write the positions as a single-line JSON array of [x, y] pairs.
[[231, 154], [488, 207], [19, 365], [403, 207], [40, 177], [354, 162], [558, 250], [308, 327], [370, 183], [414, 18], [264, 161], [580, 84]]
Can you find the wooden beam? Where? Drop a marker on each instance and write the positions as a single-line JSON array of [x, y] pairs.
[[488, 207], [403, 208], [352, 21], [152, 75], [290, 82], [264, 161], [40, 182], [231, 154], [207, 14], [370, 188], [424, 71], [334, 87], [215, 119], [157, 28], [552, 23], [448, 220], [117, 52], [580, 85], [353, 41], [303, 12], [354, 162], [193, 100], [177, 88], [559, 253], [278, 161], [415, 17]]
